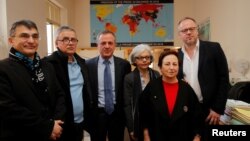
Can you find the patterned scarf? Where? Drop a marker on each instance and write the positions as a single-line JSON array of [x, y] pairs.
[[34, 67]]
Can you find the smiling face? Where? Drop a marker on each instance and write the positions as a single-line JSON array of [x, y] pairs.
[[25, 40], [106, 45]]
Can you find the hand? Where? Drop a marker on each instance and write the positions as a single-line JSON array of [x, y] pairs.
[[197, 138], [213, 118], [146, 135], [57, 130], [185, 80], [131, 134]]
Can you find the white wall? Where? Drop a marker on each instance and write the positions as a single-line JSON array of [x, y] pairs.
[[3, 30]]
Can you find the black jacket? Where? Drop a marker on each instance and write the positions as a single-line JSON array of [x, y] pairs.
[[23, 115], [122, 68], [213, 75], [185, 121], [60, 63], [132, 91]]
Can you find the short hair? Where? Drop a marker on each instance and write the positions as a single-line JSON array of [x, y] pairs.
[[138, 50], [166, 53], [63, 28], [103, 33], [186, 18], [27, 23]]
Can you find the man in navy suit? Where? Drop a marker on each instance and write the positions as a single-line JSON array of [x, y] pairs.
[[109, 125], [205, 68]]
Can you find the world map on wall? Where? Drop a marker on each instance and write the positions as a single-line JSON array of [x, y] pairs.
[[150, 23]]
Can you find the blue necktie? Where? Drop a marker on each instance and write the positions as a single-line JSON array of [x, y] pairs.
[[109, 105]]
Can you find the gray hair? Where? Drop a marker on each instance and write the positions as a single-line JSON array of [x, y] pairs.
[[138, 50], [187, 18], [104, 33], [27, 23], [63, 28]]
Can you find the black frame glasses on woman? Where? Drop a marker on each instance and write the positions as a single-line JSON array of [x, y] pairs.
[[141, 58]]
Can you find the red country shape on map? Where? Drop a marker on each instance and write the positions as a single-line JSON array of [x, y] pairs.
[[145, 11]]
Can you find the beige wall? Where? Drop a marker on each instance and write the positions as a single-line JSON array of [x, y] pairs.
[[82, 22], [182, 8], [13, 10], [29, 9], [229, 26], [68, 11]]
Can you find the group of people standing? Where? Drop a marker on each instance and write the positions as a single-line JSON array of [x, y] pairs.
[[60, 95]]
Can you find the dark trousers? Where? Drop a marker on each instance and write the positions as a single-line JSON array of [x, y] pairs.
[[109, 126], [205, 112], [73, 132]]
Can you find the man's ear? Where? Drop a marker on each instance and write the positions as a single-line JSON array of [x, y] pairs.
[[10, 39]]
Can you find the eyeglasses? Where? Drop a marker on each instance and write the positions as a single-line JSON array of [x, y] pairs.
[[141, 58], [26, 36], [68, 40], [191, 29]]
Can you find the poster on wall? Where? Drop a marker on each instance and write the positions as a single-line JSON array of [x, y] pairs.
[[133, 21], [204, 30]]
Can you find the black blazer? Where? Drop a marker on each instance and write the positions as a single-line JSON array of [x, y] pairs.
[[60, 64], [213, 75], [132, 91], [122, 67], [185, 121], [23, 114]]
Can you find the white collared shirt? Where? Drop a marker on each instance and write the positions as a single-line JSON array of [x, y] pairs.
[[190, 70], [101, 67]]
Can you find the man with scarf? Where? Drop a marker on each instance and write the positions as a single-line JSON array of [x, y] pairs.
[[32, 103]]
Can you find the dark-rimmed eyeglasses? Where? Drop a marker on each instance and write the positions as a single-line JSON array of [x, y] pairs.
[[191, 29], [68, 40], [141, 58]]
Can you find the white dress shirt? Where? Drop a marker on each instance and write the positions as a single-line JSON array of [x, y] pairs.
[[190, 69]]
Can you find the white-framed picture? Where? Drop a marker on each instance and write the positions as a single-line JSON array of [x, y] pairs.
[[204, 30]]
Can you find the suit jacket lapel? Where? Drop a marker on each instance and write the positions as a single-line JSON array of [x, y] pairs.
[[137, 89], [117, 74], [180, 108], [94, 71], [201, 55], [181, 74], [159, 99], [22, 72]]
